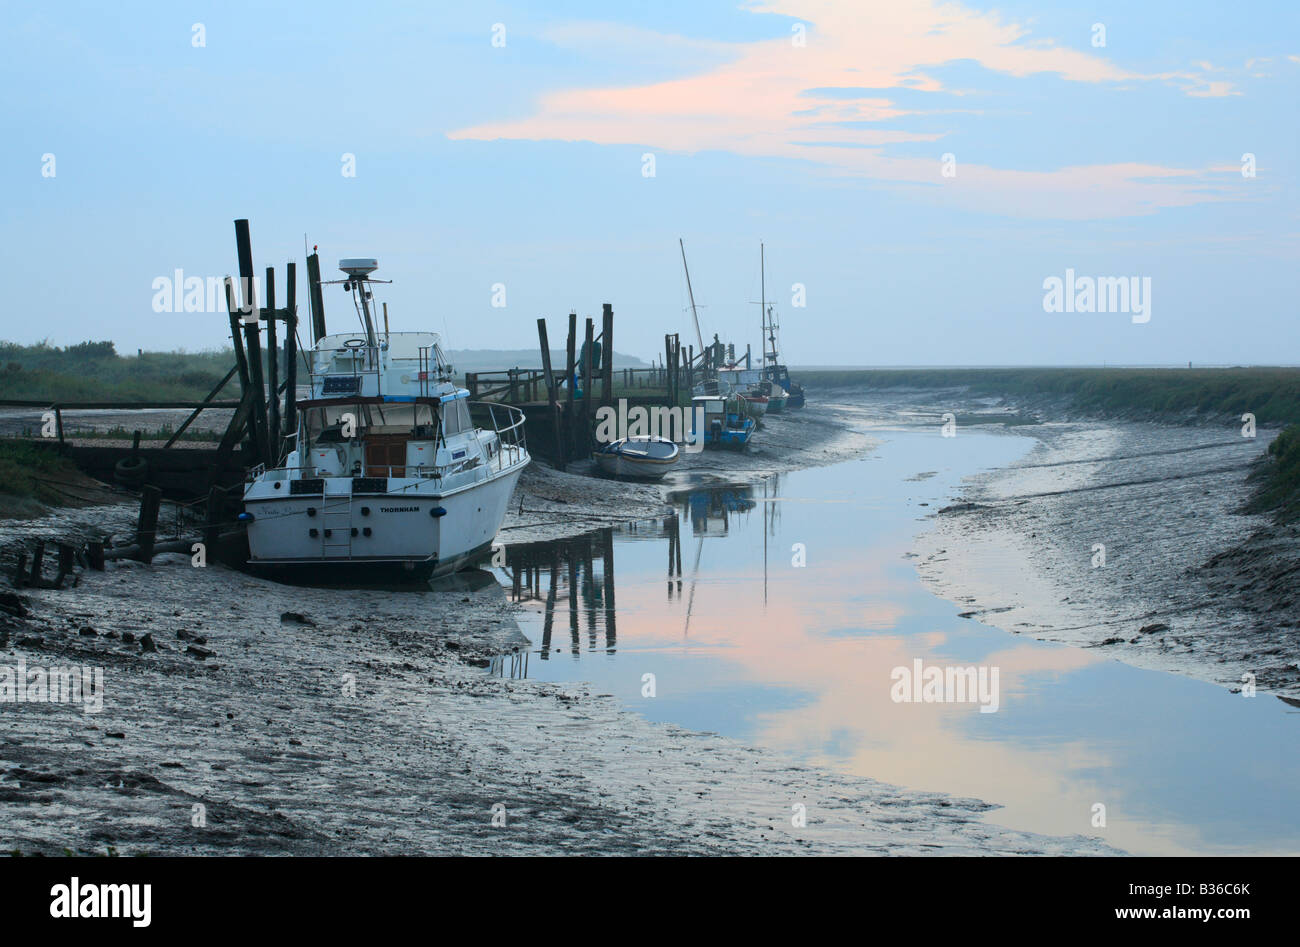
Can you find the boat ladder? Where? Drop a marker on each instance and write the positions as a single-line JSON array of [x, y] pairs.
[[336, 526]]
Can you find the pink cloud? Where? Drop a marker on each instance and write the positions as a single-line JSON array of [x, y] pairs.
[[760, 100]]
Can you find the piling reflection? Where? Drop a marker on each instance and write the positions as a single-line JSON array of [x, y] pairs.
[[711, 509], [575, 577]]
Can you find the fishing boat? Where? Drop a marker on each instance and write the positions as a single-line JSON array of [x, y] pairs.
[[782, 392], [391, 466], [725, 422], [747, 384], [755, 405], [645, 457], [776, 398]]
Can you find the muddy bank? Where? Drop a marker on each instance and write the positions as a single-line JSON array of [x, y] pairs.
[[263, 718], [550, 504], [336, 721], [1187, 583]]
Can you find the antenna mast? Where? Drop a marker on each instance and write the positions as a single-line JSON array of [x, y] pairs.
[[698, 337], [762, 282]]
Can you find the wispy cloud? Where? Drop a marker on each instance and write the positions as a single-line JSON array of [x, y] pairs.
[[830, 102]]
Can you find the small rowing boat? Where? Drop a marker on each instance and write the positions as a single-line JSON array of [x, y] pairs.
[[638, 458]]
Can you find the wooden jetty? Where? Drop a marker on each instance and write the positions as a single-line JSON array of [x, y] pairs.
[[560, 405]]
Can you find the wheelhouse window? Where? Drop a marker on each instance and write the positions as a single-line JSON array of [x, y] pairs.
[[325, 424], [455, 417]]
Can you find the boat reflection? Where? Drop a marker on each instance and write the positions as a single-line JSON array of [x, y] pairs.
[[575, 577]]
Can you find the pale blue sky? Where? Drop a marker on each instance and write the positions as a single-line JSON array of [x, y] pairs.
[[522, 165]]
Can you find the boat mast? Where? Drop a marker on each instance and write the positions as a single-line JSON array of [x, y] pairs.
[[762, 282], [698, 337]]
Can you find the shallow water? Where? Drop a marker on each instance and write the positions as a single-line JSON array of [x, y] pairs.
[[799, 659]]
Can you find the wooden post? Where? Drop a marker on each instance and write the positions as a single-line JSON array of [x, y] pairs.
[[552, 401], [291, 349], [588, 399], [668, 357], [315, 300], [273, 374], [58, 421], [147, 529], [607, 354], [241, 357], [67, 561], [212, 531], [570, 366], [38, 559], [252, 337]]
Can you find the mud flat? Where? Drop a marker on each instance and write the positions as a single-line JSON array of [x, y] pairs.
[[365, 722], [1189, 584], [549, 504], [264, 718]]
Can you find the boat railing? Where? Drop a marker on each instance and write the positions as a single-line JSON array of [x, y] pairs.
[[322, 364], [369, 472], [507, 423]]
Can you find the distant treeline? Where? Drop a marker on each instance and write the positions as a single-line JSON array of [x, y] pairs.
[[1272, 395], [94, 371]]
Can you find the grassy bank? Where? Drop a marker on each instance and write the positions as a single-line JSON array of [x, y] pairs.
[[1278, 479], [1180, 395], [1271, 394], [30, 472], [94, 371]]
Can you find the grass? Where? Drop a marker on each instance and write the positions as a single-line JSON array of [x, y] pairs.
[[1271, 394], [1277, 480], [26, 468], [94, 371]]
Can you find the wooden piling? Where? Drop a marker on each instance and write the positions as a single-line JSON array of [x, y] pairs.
[[553, 404], [147, 529], [291, 349], [315, 301], [273, 374], [38, 560], [588, 399], [607, 354], [67, 563], [252, 340], [570, 366]]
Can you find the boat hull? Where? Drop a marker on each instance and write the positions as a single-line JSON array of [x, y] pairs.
[[626, 468], [410, 530]]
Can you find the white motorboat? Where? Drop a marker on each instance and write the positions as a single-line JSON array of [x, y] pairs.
[[638, 458], [391, 466]]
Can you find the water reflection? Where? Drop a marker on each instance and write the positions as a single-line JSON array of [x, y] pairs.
[[748, 640], [575, 577]]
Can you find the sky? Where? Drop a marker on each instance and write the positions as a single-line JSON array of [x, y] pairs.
[[918, 171]]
